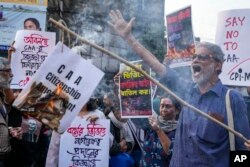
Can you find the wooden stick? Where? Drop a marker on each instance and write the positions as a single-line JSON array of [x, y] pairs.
[[184, 103]]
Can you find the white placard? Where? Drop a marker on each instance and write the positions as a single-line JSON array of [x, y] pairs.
[[85, 144], [233, 36], [32, 49]]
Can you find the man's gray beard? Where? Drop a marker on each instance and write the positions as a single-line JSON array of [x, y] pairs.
[[205, 77], [4, 83]]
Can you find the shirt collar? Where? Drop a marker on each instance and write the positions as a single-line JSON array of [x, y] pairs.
[[217, 88]]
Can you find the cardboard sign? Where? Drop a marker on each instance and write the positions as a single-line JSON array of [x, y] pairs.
[[135, 92], [232, 34], [180, 36], [85, 144], [32, 49]]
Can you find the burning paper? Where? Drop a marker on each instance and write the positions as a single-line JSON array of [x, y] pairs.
[[58, 91]]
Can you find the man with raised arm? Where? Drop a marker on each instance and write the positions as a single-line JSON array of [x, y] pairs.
[[198, 141]]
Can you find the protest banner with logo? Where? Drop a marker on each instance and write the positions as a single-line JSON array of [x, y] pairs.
[[135, 91], [60, 88], [85, 144], [180, 38], [13, 13], [32, 48], [232, 34]]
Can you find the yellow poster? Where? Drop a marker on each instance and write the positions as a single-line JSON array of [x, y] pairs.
[[28, 2]]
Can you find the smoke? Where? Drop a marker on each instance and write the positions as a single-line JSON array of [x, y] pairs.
[[89, 20]]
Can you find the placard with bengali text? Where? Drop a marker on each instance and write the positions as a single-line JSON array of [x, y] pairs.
[[85, 144], [135, 91], [32, 49]]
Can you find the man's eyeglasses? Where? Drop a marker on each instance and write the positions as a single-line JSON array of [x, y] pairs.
[[204, 57], [5, 70], [201, 57]]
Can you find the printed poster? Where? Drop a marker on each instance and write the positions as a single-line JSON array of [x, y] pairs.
[[135, 91], [32, 48], [60, 88], [13, 13], [85, 144], [31, 129], [232, 34], [180, 37]]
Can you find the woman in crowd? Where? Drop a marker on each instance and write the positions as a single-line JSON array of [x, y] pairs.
[[158, 142]]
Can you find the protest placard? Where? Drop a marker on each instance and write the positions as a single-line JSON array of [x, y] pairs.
[[232, 34], [85, 144], [180, 38], [60, 88], [135, 91], [32, 48]]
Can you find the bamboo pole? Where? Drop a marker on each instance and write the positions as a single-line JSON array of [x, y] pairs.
[[184, 103]]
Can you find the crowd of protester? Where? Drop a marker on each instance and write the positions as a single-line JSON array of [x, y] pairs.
[[175, 135]]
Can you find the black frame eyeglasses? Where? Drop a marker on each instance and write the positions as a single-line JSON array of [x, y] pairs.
[[5, 70], [201, 57]]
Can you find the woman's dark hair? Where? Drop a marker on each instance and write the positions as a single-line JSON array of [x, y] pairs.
[[92, 104], [35, 21]]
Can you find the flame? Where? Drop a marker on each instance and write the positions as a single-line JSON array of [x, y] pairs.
[[58, 89], [51, 103]]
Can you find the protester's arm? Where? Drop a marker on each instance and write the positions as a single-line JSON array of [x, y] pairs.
[[128, 137], [123, 29], [164, 139], [247, 144], [125, 145]]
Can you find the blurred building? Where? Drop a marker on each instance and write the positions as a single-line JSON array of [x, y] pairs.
[[88, 18]]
